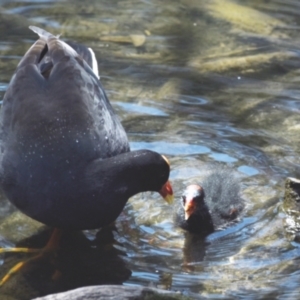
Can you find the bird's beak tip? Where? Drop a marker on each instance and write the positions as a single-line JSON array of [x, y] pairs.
[[167, 192]]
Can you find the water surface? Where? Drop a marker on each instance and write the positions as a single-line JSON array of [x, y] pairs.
[[213, 82]]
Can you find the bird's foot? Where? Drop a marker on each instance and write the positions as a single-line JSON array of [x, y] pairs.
[[45, 253]]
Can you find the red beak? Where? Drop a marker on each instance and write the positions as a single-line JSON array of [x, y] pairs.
[[167, 192], [189, 207]]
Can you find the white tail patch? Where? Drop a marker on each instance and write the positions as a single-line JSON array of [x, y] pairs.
[[94, 63]]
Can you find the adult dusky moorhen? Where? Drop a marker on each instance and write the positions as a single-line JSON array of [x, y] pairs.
[[65, 157], [213, 205]]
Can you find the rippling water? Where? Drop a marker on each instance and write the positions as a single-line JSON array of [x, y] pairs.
[[213, 82]]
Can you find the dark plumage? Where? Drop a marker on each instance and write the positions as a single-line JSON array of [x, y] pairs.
[[65, 158], [212, 205]]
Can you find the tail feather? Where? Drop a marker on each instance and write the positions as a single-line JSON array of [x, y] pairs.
[[57, 48], [49, 50], [43, 34], [33, 55]]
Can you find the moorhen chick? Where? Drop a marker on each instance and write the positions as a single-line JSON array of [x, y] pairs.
[[65, 158], [212, 205]]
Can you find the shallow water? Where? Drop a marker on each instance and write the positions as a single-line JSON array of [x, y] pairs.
[[207, 86]]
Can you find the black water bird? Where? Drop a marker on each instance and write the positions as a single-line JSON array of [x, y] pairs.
[[65, 157], [213, 205]]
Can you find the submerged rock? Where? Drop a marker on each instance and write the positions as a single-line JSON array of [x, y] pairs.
[[291, 206], [245, 18]]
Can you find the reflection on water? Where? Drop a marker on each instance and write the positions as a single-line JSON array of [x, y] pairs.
[[170, 148], [210, 82], [79, 261]]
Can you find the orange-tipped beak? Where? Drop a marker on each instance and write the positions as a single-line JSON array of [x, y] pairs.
[[167, 192], [189, 208]]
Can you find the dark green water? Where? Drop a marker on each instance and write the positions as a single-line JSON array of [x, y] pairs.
[[213, 82]]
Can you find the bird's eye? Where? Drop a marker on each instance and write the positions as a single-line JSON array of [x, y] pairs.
[[183, 198]]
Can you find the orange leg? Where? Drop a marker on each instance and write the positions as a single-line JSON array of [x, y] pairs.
[[50, 248]]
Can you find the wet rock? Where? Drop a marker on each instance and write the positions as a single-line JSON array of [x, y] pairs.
[[113, 292], [138, 39], [291, 206], [292, 194]]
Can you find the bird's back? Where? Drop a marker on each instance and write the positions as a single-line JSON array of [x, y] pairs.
[[222, 195], [55, 119]]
